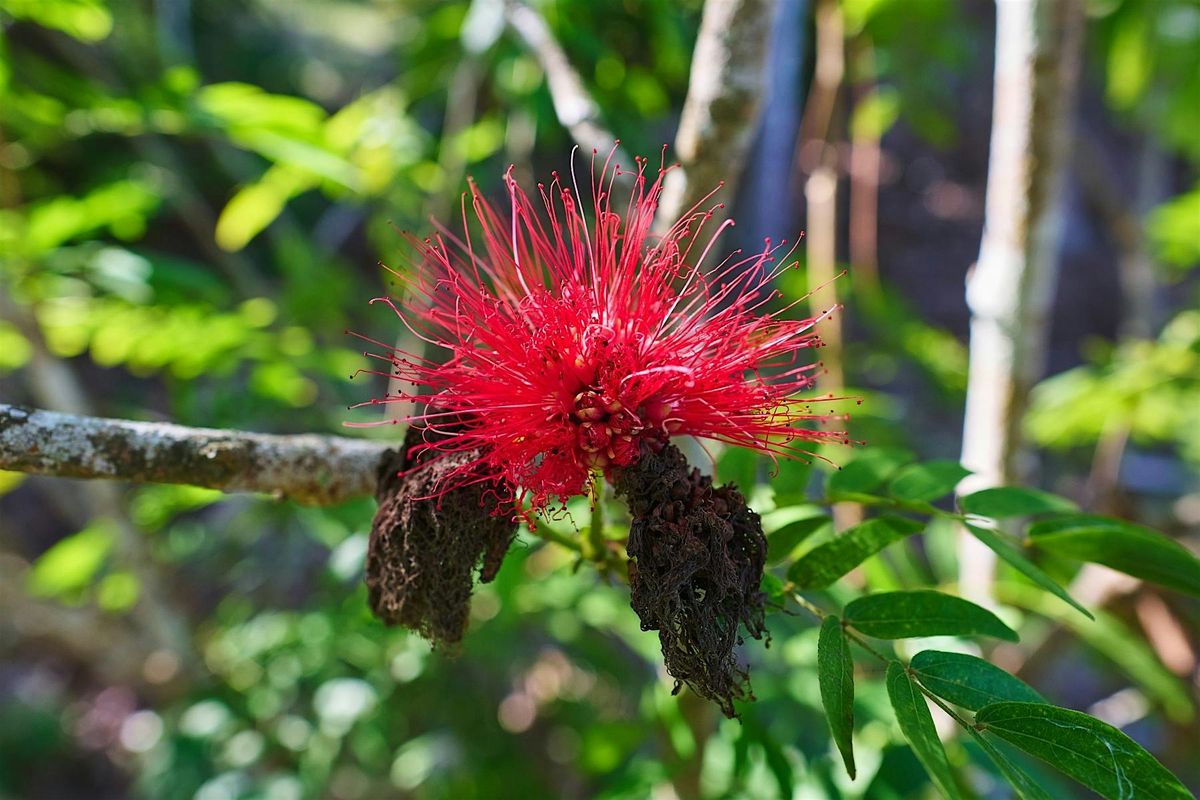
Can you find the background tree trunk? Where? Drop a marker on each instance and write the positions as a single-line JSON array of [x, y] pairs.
[[1038, 55], [720, 115]]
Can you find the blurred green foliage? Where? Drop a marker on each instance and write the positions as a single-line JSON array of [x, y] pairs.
[[193, 200]]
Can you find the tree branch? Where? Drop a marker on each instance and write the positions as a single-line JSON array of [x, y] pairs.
[[725, 94], [307, 468], [575, 108]]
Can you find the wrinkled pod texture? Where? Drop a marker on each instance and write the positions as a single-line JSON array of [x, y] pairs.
[[697, 554], [426, 545]]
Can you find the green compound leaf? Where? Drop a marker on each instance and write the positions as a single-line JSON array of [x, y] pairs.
[[903, 615], [835, 674], [1123, 546], [1014, 501], [928, 481], [968, 681], [825, 564], [1016, 559], [917, 725], [1092, 752]]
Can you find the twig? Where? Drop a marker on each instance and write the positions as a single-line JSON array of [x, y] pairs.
[[720, 114], [820, 614], [575, 108], [311, 469], [55, 383]]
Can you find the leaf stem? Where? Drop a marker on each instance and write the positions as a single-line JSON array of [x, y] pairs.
[[820, 614], [858, 639]]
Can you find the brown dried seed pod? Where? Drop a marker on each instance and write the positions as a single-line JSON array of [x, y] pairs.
[[423, 552], [696, 562]]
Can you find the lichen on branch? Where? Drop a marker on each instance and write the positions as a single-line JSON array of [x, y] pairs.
[[307, 468]]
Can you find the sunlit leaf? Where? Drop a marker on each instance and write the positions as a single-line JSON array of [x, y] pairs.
[[1174, 229], [258, 204], [10, 481], [15, 349], [118, 591], [72, 563], [86, 20], [1129, 61], [875, 114], [121, 206]]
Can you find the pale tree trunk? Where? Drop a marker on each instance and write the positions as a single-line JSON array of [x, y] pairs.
[[720, 114], [819, 158], [866, 160], [1010, 289], [576, 110], [766, 201]]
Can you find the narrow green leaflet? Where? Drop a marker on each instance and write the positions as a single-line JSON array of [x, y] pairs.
[[1014, 501], [1128, 548], [835, 674], [1016, 559], [903, 615], [927, 481], [917, 725], [1092, 752], [782, 542], [868, 472], [968, 681], [1026, 785], [825, 564]]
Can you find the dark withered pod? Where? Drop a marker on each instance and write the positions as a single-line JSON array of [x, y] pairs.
[[426, 544], [697, 555]]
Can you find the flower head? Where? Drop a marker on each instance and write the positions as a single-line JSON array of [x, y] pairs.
[[568, 338]]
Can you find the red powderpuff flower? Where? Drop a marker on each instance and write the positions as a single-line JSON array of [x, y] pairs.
[[573, 339]]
